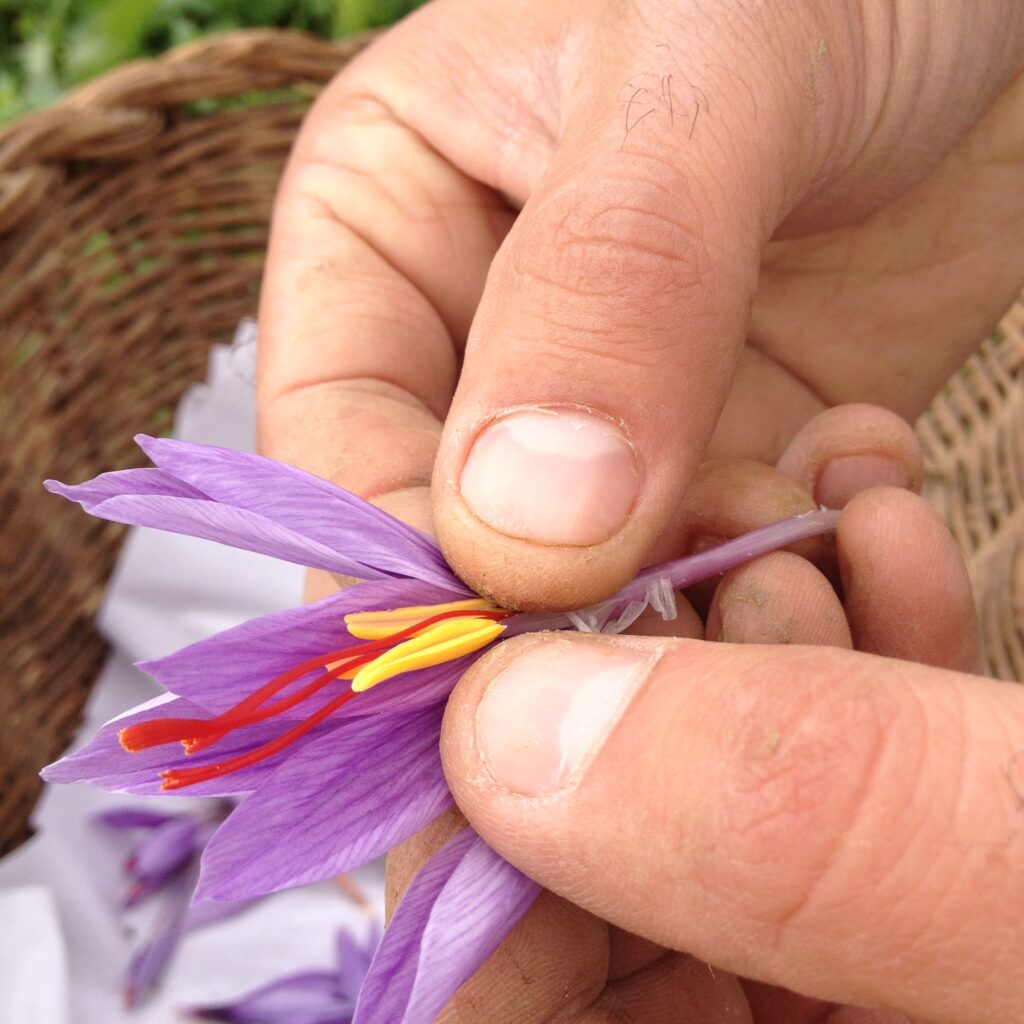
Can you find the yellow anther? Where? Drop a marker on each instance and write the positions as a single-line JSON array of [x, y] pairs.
[[444, 641], [380, 625]]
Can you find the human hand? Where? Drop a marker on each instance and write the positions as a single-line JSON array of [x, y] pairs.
[[841, 825], [624, 285], [851, 172]]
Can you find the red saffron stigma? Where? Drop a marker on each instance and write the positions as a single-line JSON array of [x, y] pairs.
[[157, 731], [219, 727], [176, 778], [198, 734]]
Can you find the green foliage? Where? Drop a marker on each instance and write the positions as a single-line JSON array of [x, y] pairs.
[[47, 46]]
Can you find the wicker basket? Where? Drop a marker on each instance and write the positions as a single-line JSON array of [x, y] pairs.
[[133, 220]]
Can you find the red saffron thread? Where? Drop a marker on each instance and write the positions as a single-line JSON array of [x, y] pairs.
[[197, 734], [177, 778]]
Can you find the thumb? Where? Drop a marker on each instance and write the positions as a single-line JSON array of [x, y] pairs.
[[611, 322], [840, 824], [605, 341]]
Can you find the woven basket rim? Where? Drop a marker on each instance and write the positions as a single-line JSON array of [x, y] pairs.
[[118, 114]]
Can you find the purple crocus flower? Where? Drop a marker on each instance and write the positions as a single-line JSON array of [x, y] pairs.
[[163, 864], [309, 997], [332, 775]]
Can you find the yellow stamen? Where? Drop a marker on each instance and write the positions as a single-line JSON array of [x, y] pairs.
[[380, 625], [441, 642]]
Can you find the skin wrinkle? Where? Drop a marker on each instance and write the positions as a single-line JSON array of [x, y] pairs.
[[520, 112], [658, 349], [378, 387], [485, 201], [359, 382], [613, 291], [765, 340], [880, 21], [629, 955], [1014, 773], [650, 171], [801, 776], [774, 434], [921, 52], [804, 382], [337, 168], [400, 277], [789, 187], [912, 706], [405, 302], [835, 256], [648, 271], [382, 114], [378, 183], [638, 344]]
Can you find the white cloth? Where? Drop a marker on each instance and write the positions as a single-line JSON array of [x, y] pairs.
[[62, 948]]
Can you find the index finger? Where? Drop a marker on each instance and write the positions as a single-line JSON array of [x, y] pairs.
[[378, 252]]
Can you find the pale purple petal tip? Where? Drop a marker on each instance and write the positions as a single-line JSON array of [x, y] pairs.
[[310, 505], [226, 524], [354, 958], [257, 504], [132, 817], [459, 908], [126, 481], [149, 961], [165, 849], [311, 997]]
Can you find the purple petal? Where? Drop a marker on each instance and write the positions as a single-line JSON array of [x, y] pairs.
[[459, 908], [132, 817], [127, 481], [106, 764], [165, 850], [237, 527], [331, 807], [149, 961], [224, 669], [311, 506], [354, 959], [308, 998]]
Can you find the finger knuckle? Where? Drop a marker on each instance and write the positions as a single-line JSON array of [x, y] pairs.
[[630, 245]]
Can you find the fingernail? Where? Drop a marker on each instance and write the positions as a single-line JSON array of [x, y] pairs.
[[555, 476], [844, 477], [545, 716]]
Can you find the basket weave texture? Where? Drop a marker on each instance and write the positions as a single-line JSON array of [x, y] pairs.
[[133, 221]]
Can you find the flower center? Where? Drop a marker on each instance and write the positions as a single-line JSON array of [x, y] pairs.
[[397, 642]]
